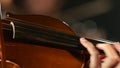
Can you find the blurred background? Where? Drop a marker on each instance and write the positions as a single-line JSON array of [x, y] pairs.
[[88, 18]]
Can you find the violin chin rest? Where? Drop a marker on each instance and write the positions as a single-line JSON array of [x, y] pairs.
[[9, 64]]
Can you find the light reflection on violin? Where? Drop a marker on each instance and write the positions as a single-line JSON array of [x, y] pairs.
[[10, 64]]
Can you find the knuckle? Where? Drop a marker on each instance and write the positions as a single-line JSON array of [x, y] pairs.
[[115, 59], [95, 53]]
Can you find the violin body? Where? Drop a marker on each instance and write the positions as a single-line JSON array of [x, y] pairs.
[[28, 55]]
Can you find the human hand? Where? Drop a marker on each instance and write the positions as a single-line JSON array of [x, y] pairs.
[[110, 59]]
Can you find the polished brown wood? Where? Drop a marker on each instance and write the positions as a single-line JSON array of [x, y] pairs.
[[28, 55], [9, 64]]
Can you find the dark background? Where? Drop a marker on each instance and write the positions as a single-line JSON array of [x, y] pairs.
[[109, 21]]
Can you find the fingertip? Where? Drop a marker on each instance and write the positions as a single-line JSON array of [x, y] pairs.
[[117, 43], [86, 43], [100, 45], [83, 40]]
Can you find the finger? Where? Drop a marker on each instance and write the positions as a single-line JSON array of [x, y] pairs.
[[118, 66], [117, 46], [112, 57], [94, 54], [108, 49], [90, 47]]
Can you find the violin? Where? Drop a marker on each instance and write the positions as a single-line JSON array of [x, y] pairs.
[[37, 41]]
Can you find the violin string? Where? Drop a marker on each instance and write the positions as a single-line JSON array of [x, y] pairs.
[[62, 38], [47, 39], [55, 37], [50, 34], [50, 39], [54, 32]]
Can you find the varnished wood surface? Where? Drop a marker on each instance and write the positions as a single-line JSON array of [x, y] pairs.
[[28, 55]]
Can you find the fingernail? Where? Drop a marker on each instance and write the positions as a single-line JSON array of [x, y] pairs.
[[83, 39], [117, 42]]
